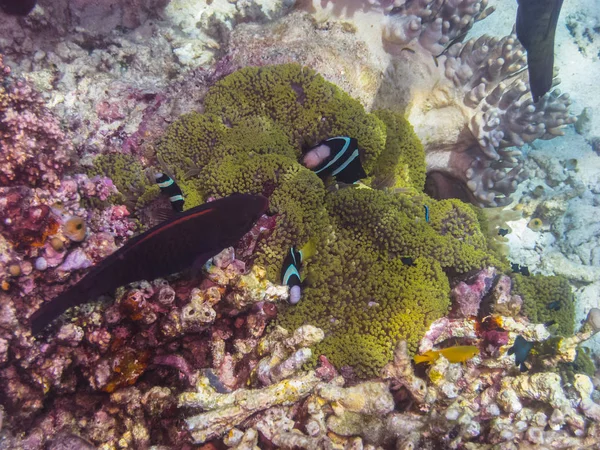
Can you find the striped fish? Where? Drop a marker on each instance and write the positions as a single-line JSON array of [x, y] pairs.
[[290, 271], [338, 157], [290, 274], [168, 187]]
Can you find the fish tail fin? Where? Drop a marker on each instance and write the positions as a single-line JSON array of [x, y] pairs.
[[309, 249], [50, 310], [427, 357]]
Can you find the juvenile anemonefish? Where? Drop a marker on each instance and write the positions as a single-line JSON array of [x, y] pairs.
[[170, 189], [290, 271], [337, 157], [456, 354], [188, 239], [521, 349]]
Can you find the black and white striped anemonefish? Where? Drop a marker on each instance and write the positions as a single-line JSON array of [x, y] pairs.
[[168, 187], [337, 157], [189, 239], [290, 270]]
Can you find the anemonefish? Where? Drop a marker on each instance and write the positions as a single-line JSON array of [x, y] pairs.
[[188, 239], [337, 157], [456, 354], [521, 349], [170, 189], [290, 271]]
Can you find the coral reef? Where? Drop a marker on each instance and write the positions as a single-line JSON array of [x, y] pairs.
[[34, 150], [363, 232], [136, 355], [547, 299]]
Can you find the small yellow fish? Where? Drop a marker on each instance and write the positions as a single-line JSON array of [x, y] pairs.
[[456, 354]]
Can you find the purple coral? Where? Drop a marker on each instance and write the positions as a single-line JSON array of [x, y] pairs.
[[34, 150], [466, 297]]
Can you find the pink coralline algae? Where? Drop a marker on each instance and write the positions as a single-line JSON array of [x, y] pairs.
[[34, 150], [122, 364], [470, 102], [466, 297]]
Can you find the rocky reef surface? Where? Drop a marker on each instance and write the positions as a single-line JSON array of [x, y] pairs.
[[95, 95]]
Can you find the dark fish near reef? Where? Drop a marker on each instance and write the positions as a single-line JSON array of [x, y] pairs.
[[536, 25], [290, 270], [190, 238], [170, 189], [17, 7], [554, 306], [407, 261], [523, 270], [521, 349], [502, 231], [337, 157]]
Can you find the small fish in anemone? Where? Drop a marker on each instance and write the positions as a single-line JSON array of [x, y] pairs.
[[290, 270], [75, 228], [189, 239], [456, 354], [338, 157], [169, 188], [521, 349]]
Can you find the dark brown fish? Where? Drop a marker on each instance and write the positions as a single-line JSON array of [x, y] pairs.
[[536, 26], [17, 7], [190, 238]]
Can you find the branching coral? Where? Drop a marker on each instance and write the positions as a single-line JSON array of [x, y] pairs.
[[34, 150]]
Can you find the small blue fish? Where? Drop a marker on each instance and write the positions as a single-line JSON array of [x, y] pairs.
[[502, 231], [426, 213], [338, 157], [170, 189], [521, 349]]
